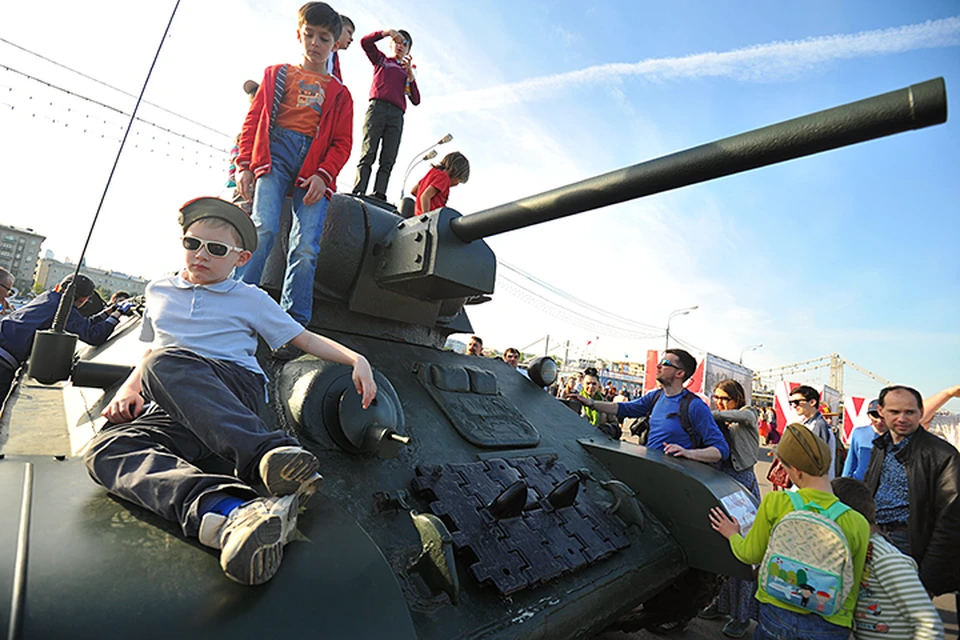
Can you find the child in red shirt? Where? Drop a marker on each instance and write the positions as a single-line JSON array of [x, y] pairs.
[[434, 188]]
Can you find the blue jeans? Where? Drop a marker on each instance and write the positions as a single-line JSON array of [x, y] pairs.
[[779, 624], [176, 457], [288, 149]]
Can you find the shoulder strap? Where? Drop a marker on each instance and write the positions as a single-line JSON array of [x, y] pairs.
[[796, 499], [833, 512], [836, 510], [684, 416], [656, 398]]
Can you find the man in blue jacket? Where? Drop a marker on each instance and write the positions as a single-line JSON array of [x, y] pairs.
[[700, 440], [861, 443], [18, 328]]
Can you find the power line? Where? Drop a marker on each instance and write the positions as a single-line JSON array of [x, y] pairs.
[[110, 86], [572, 316], [576, 300]]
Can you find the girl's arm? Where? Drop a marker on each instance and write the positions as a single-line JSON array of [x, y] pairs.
[[426, 196]]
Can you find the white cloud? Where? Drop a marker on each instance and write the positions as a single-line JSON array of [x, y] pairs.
[[759, 63]]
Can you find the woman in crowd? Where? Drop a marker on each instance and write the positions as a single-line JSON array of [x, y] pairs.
[[739, 424]]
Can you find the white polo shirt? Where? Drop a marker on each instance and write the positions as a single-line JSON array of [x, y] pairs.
[[219, 321]]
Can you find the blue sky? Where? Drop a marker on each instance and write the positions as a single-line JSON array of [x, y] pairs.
[[852, 251]]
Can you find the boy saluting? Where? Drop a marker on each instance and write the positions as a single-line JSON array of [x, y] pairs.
[[296, 138], [206, 391]]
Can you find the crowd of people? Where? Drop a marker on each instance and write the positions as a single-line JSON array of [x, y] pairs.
[[890, 526]]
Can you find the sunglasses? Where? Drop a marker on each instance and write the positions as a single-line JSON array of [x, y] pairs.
[[11, 291], [719, 398], [214, 248], [667, 363], [796, 402]]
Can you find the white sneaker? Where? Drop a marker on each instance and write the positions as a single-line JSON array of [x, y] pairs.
[[287, 470], [251, 538]]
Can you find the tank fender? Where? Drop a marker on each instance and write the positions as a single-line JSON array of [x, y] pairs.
[[680, 494]]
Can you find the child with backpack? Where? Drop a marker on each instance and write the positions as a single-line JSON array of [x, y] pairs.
[[810, 546], [893, 604]]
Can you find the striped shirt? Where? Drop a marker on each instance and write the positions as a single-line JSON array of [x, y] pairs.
[[893, 604]]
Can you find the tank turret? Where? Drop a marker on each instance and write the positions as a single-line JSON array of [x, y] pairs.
[[466, 503]]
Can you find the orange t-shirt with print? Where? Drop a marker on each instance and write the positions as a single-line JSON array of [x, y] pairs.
[[302, 101]]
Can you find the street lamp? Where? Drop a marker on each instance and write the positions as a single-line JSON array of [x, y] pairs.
[[752, 347], [678, 312], [427, 154]]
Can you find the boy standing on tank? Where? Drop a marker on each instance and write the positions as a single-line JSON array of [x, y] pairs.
[[393, 81], [296, 138], [206, 394]]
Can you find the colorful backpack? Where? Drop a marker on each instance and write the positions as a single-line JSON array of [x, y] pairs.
[[808, 562]]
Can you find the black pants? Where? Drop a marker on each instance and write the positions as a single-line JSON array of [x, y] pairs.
[[383, 122], [205, 412]]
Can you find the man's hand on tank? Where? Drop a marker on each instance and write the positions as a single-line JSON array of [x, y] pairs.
[[584, 400], [722, 523], [124, 407], [363, 381], [676, 450], [316, 187], [245, 180], [126, 308]]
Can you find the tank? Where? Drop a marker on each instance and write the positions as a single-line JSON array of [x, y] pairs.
[[465, 503]]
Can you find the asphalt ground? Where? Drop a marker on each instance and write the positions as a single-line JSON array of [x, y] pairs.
[[38, 429]]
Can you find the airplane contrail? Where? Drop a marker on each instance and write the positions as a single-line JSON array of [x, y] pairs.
[[758, 63]]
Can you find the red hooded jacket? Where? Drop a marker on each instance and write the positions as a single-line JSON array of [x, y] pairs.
[[331, 143]]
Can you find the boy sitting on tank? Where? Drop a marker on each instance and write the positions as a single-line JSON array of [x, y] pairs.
[[205, 391]]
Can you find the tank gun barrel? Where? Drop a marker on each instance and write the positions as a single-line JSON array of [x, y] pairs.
[[914, 107]]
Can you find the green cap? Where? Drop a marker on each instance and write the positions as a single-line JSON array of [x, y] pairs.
[[207, 207]]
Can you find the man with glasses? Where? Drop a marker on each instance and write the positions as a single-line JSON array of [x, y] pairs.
[[915, 479], [806, 402], [700, 440], [18, 328], [6, 290]]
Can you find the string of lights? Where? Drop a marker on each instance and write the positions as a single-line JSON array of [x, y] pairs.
[[97, 103], [110, 86]]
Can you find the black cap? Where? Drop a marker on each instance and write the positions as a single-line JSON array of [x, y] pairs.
[[200, 208], [873, 408], [82, 289]]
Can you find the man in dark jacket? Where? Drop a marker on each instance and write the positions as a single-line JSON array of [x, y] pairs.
[[18, 328], [915, 477]]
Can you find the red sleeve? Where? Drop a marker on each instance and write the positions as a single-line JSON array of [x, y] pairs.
[[414, 93], [249, 131], [369, 44], [338, 151]]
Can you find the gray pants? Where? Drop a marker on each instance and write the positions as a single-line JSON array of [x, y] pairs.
[[384, 121], [205, 414]]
